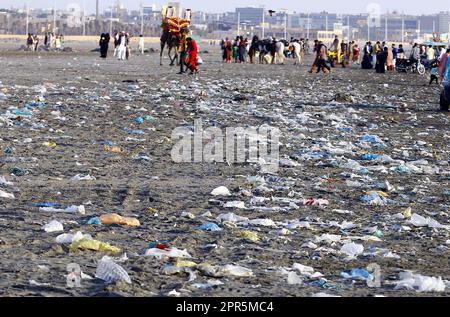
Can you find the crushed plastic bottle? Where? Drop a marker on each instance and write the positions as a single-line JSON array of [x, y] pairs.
[[110, 272]]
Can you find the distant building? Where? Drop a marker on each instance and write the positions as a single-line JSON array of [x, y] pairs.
[[178, 8], [444, 22], [250, 15]]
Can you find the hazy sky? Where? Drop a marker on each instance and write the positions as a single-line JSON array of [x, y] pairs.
[[335, 6]]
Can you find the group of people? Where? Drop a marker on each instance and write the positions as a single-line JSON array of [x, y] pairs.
[[122, 48], [235, 50], [339, 53], [50, 41], [122, 45], [241, 50], [188, 49], [384, 58]]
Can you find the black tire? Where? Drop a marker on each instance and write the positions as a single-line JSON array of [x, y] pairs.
[[444, 104]]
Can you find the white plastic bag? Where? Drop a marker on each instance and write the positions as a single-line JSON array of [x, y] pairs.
[[53, 226]]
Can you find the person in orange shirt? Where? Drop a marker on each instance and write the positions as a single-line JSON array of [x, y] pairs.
[[193, 53]]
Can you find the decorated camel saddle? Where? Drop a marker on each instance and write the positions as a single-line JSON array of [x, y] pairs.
[[172, 23]]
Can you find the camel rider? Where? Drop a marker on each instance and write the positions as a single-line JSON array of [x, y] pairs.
[[183, 48]]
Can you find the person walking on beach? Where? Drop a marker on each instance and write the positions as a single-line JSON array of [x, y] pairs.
[[430, 53], [193, 54], [183, 49], [380, 66], [127, 46], [242, 49], [356, 54], [58, 45], [228, 50], [141, 44], [116, 44], [394, 54], [367, 57], [122, 47], [35, 42], [29, 42], [390, 60], [236, 50], [377, 50], [321, 59], [104, 45], [415, 54]]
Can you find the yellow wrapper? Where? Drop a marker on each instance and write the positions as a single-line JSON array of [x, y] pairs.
[[93, 245], [249, 235]]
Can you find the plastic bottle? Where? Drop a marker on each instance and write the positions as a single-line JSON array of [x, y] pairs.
[[111, 272]]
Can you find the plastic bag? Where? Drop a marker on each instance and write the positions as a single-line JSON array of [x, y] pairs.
[[93, 245], [53, 226], [169, 253], [420, 283], [221, 191], [115, 219], [71, 209], [6, 195], [352, 249]]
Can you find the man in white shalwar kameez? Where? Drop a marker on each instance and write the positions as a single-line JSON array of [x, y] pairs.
[[122, 48]]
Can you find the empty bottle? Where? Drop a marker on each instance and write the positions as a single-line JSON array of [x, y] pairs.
[[111, 272]]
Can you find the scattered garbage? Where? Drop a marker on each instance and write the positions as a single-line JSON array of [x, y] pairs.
[[210, 227], [225, 270], [420, 283], [352, 249], [92, 245], [68, 238], [362, 178], [4, 182], [95, 221], [111, 272], [70, 209], [115, 219], [358, 274], [249, 235], [420, 221], [167, 253], [221, 191], [6, 195], [53, 226]]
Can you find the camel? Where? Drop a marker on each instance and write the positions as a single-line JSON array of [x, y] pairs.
[[172, 40]]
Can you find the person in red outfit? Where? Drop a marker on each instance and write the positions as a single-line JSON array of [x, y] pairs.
[[193, 53]]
